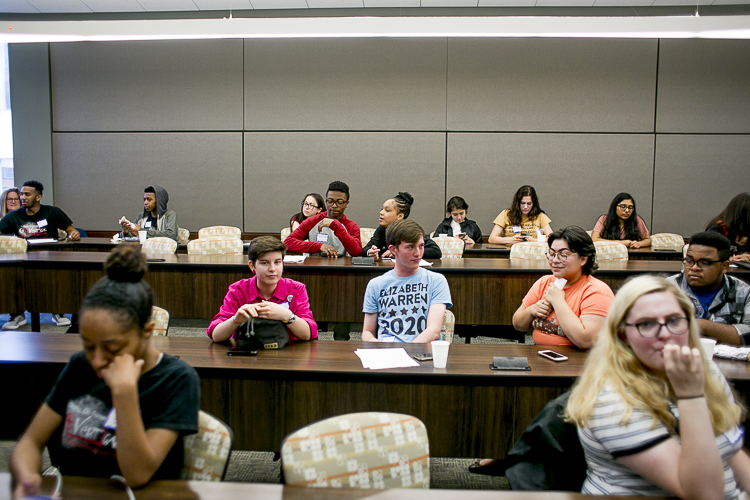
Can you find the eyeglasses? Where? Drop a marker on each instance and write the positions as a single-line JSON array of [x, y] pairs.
[[626, 208], [650, 329], [563, 256], [309, 205], [336, 203], [13, 200], [703, 264]]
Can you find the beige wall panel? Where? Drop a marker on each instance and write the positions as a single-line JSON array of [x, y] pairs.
[[566, 85], [280, 168], [345, 84], [703, 86], [575, 176], [101, 177], [143, 86], [695, 177]]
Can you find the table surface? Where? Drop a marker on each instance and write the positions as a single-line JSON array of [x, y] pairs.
[[494, 250], [84, 488]]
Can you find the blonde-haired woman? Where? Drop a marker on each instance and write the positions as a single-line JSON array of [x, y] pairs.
[[655, 417]]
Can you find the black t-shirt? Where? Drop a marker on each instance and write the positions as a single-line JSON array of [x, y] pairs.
[[43, 224], [85, 444]]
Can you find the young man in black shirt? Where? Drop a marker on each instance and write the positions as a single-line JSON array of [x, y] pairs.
[[34, 220]]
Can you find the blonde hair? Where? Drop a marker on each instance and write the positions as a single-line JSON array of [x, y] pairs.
[[613, 363], [4, 199]]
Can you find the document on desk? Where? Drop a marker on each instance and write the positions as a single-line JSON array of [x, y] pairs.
[[41, 240], [294, 259], [381, 359]]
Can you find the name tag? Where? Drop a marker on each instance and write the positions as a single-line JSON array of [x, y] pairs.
[[147, 225], [321, 238], [516, 229], [284, 304], [42, 223], [111, 422], [389, 339]]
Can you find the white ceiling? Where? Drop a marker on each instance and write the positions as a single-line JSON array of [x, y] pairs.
[[129, 6]]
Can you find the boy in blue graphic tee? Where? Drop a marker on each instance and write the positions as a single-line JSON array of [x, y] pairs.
[[408, 303]]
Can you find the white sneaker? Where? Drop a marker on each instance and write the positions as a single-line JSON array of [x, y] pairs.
[[15, 322], [60, 320]]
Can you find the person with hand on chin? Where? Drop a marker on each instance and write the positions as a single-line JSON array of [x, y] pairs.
[[408, 303], [721, 302], [396, 208], [266, 295], [521, 221], [119, 407], [654, 415], [622, 224], [331, 232]]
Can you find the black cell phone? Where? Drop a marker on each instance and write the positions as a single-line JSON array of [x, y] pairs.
[[238, 351], [664, 250], [422, 357], [156, 260]]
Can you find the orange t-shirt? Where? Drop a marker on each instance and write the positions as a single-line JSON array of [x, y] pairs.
[[588, 296]]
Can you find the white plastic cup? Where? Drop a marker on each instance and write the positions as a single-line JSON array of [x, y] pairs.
[[708, 346], [142, 234], [440, 353]]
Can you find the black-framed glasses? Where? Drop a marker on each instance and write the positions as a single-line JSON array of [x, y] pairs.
[[551, 254], [309, 205], [650, 329], [626, 208], [336, 203], [703, 264]]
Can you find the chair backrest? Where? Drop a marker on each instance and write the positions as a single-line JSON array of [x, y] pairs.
[[207, 452], [529, 250], [159, 245], [667, 241], [12, 244], [285, 232], [215, 245], [183, 236], [359, 450], [160, 317], [610, 250], [452, 248], [232, 231], [449, 326], [365, 234]]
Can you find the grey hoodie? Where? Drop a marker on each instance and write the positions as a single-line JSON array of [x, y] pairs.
[[166, 222]]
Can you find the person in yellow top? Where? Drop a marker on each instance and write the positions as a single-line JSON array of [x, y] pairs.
[[521, 221]]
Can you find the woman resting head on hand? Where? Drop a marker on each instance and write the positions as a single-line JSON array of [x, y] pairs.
[[120, 406], [312, 204], [734, 223], [521, 221], [622, 224], [655, 417]]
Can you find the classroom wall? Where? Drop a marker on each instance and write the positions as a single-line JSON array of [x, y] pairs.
[[239, 130]]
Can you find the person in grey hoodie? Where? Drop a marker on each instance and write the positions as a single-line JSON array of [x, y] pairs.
[[155, 217]]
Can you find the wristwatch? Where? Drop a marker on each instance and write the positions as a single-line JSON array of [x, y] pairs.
[[291, 319]]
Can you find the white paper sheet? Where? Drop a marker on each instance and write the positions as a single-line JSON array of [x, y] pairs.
[[294, 259], [381, 359]]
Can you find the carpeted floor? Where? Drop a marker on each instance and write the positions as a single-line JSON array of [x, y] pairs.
[[259, 467]]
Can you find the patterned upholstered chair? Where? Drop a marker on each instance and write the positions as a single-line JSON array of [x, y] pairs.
[[215, 245], [452, 248], [529, 250], [160, 317], [667, 241], [231, 231], [12, 244], [365, 233], [207, 452], [610, 250], [159, 245], [359, 450], [183, 236], [285, 232], [449, 326]]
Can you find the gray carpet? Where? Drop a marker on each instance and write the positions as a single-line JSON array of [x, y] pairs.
[[259, 467]]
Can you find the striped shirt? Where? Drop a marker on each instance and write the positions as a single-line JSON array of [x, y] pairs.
[[604, 439]]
